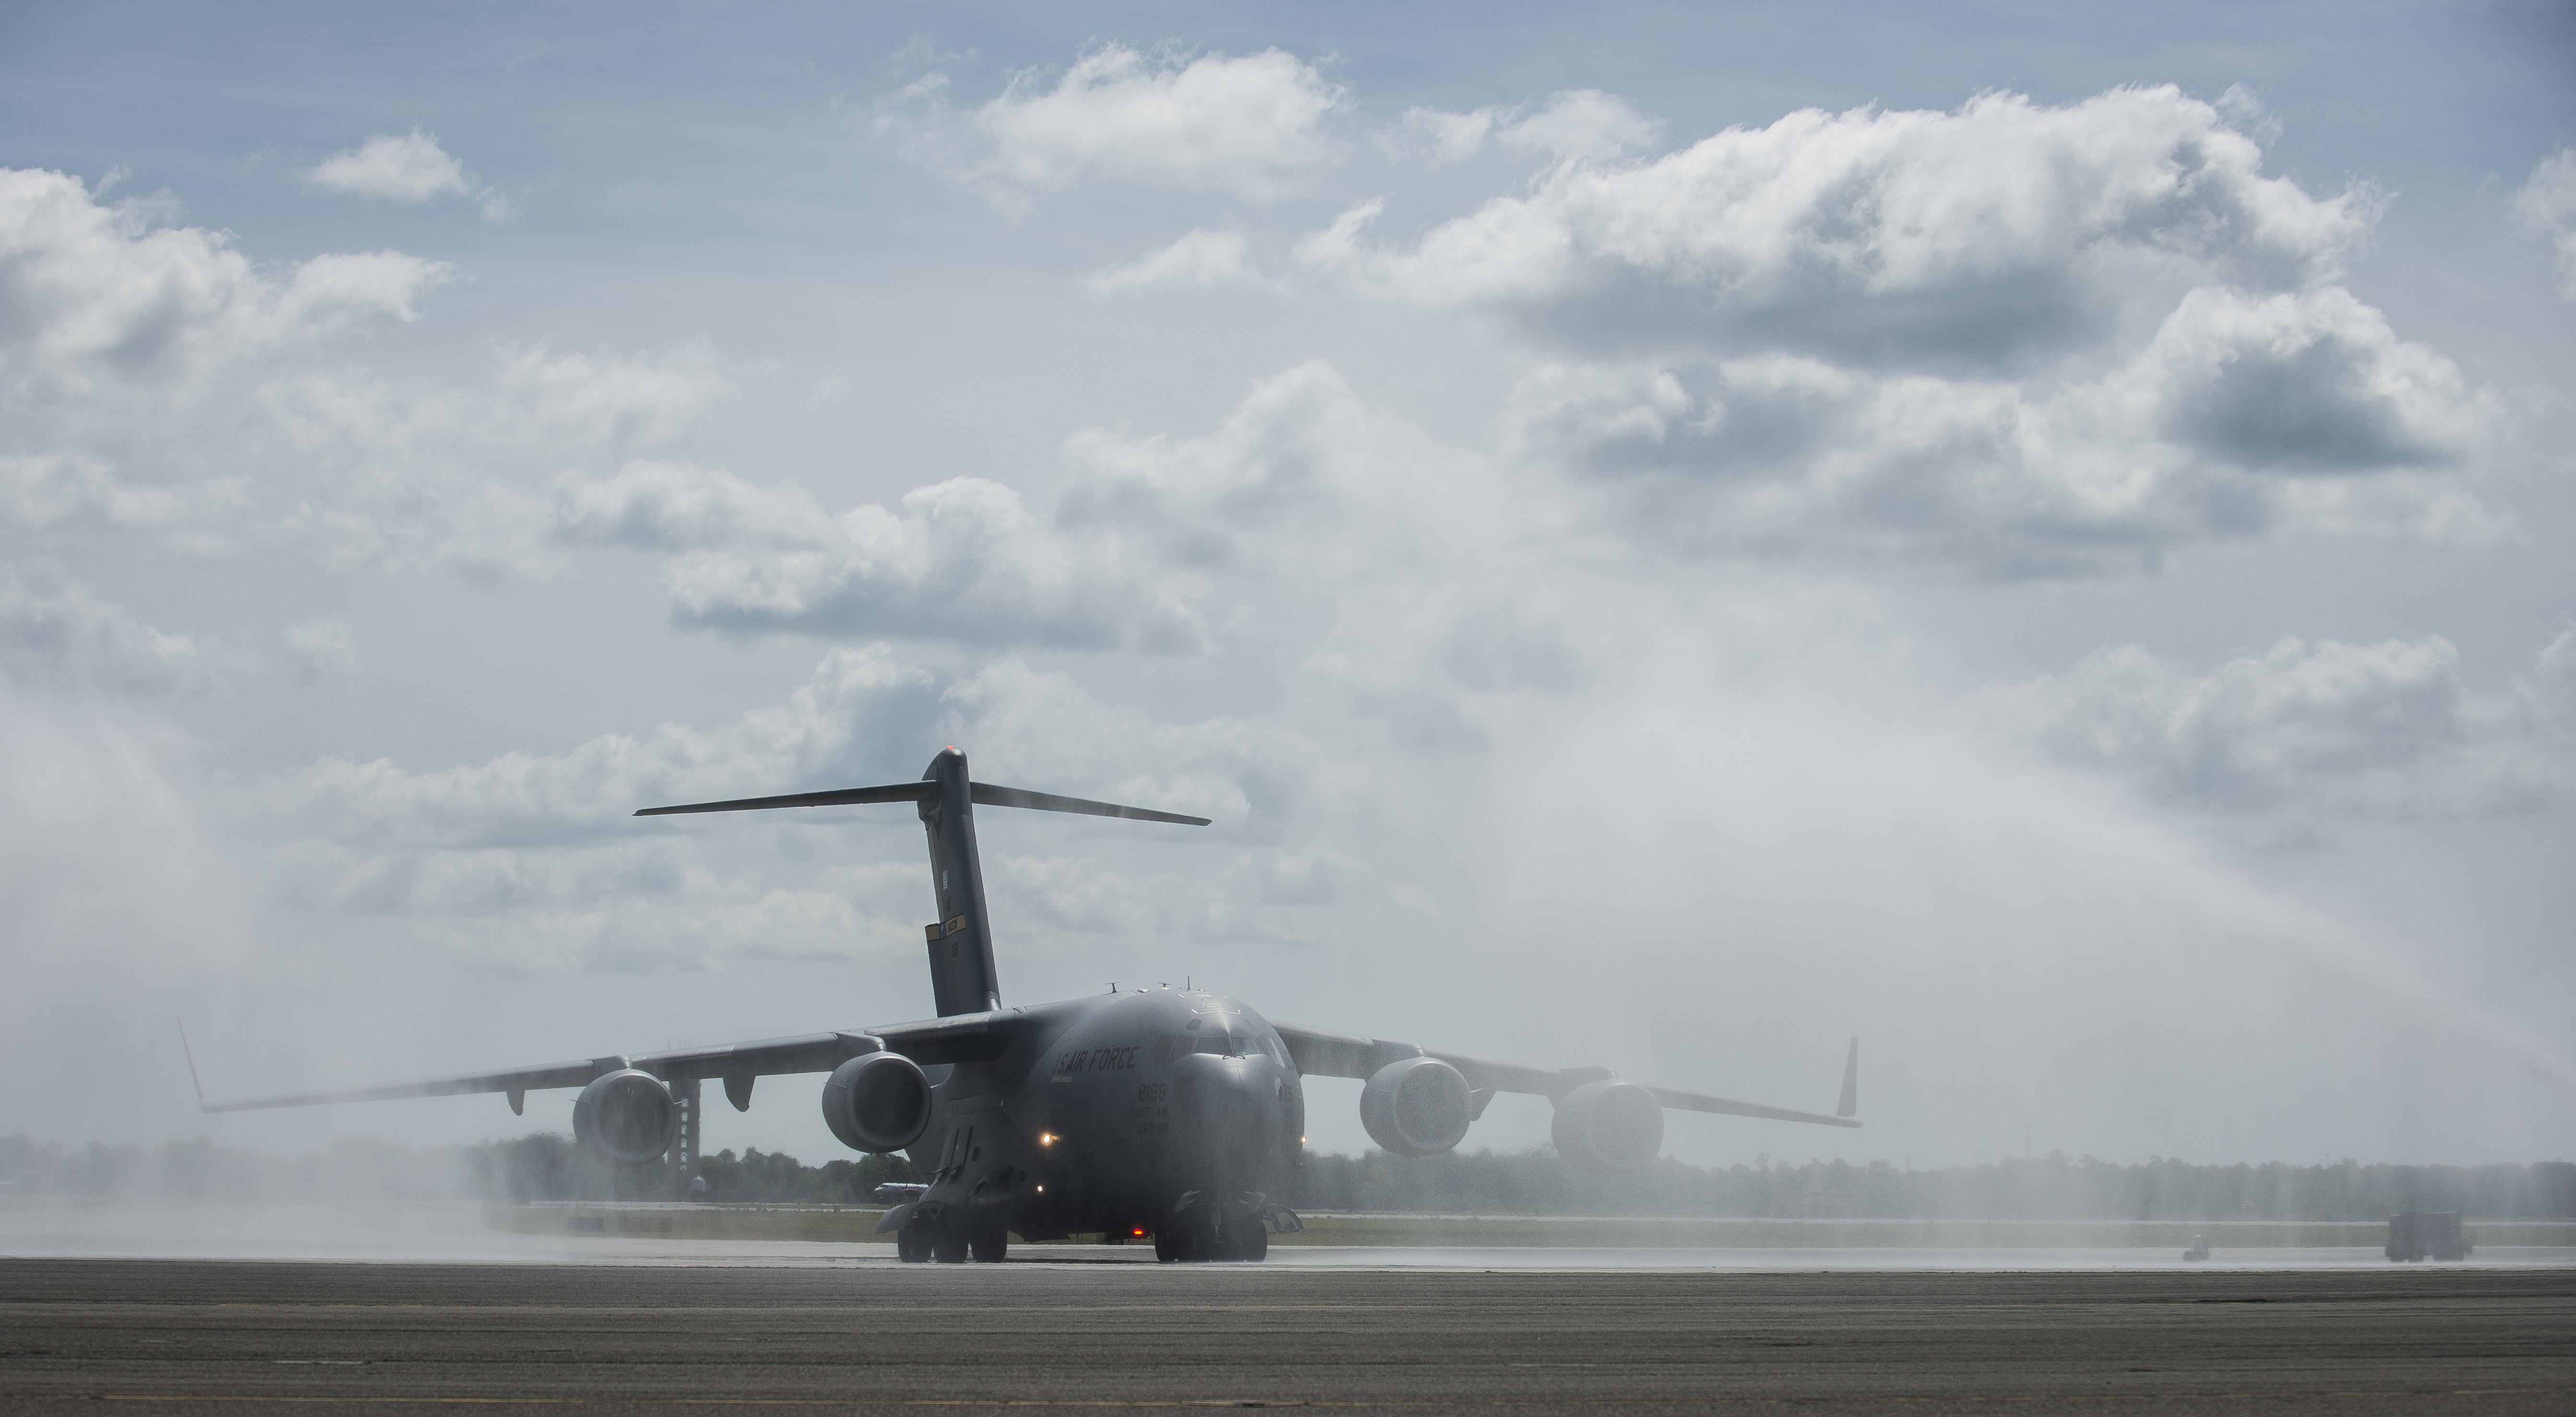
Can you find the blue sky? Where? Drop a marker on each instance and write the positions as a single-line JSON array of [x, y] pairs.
[[1661, 535]]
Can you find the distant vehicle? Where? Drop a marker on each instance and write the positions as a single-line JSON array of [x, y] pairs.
[[1171, 1113], [2427, 1234]]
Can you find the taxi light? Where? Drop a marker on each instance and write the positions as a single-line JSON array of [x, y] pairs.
[[1046, 1138]]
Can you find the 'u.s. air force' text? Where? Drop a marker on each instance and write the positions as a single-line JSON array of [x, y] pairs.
[[1096, 1060]]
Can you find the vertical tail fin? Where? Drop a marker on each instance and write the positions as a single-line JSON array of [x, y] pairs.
[[191, 1055], [1850, 1104], [962, 977]]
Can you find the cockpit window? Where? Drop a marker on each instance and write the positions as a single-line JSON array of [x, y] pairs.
[[1236, 1045]]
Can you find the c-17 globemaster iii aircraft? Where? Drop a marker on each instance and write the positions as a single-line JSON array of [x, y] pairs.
[[1172, 1113]]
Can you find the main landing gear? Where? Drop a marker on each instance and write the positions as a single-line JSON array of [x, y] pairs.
[[1203, 1232], [923, 1238]]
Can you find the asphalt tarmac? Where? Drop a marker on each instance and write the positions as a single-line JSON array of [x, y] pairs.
[[77, 1335]]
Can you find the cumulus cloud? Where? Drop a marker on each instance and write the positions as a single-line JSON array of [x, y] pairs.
[[2547, 207], [614, 398], [1201, 260], [1985, 236], [57, 634], [398, 167], [1125, 549], [1576, 123], [2241, 416], [2013, 339], [454, 476], [1245, 123], [2389, 729], [63, 489], [964, 559], [661, 506], [89, 291]]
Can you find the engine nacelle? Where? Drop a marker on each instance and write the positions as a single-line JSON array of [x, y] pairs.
[[1417, 1106], [627, 1117], [877, 1102], [1609, 1126]]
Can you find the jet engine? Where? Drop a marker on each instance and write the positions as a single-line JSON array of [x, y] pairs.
[[1609, 1126], [626, 1117], [877, 1102], [1417, 1107]]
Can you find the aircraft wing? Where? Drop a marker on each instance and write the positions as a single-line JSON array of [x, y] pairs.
[[1318, 1053], [959, 1039]]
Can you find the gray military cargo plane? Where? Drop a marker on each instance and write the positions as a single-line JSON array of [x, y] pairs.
[[1171, 1113]]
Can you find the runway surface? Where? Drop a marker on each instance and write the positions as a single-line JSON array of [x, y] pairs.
[[1111, 1334]]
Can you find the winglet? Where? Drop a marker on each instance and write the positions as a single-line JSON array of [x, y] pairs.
[[190, 1055], [1850, 1105]]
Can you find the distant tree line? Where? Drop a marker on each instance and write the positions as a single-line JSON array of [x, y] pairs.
[[547, 1166]]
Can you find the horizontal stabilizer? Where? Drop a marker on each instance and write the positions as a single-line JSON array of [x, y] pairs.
[[921, 791], [987, 795]]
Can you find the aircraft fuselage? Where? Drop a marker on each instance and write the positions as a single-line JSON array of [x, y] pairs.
[[1137, 1112]]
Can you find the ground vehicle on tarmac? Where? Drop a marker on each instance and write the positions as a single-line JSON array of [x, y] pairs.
[[1170, 1113]]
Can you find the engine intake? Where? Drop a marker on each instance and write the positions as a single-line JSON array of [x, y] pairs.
[[626, 1117], [1609, 1126], [877, 1102], [1417, 1106]]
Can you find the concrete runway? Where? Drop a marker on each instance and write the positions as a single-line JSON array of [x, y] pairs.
[[1112, 1334]]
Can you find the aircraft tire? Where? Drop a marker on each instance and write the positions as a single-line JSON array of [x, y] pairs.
[[1243, 1237], [990, 1243], [1167, 1247], [1199, 1239], [948, 1245], [1252, 1242], [912, 1243]]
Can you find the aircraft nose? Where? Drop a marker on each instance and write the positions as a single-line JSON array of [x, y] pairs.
[[1243, 1111]]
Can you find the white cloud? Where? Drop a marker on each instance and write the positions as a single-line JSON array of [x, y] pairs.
[[2547, 206], [2388, 729], [397, 167], [1438, 135], [1130, 546], [423, 474], [614, 399], [960, 560], [2242, 416], [1984, 236], [1576, 123], [63, 489], [1580, 123], [1201, 260], [58, 634], [1246, 124], [660, 506], [321, 646], [88, 291]]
